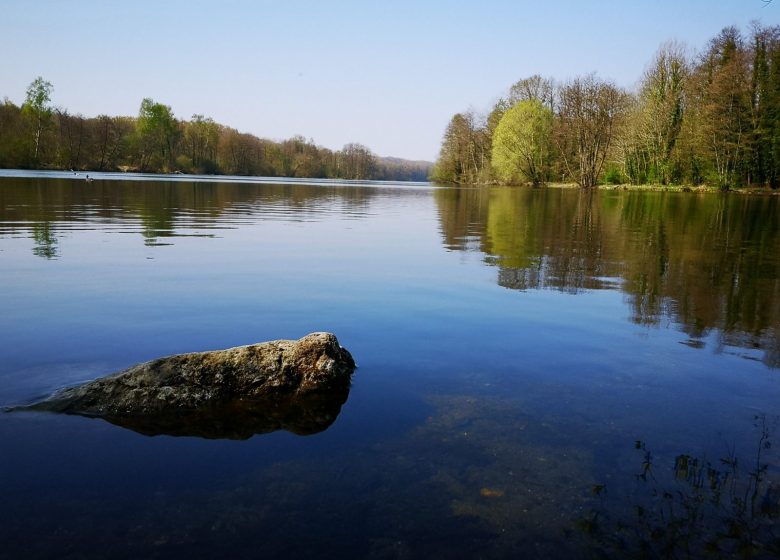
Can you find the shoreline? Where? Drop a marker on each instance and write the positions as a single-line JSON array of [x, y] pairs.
[[652, 187]]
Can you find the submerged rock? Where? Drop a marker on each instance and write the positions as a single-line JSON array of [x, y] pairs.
[[296, 385]]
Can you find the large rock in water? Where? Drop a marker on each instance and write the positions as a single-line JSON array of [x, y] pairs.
[[296, 385]]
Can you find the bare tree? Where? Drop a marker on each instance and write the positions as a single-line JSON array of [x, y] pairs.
[[534, 88], [587, 117]]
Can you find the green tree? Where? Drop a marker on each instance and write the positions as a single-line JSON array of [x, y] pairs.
[[109, 138], [201, 135], [765, 105], [772, 114], [722, 96], [157, 131], [521, 143], [663, 103], [37, 110], [12, 135]]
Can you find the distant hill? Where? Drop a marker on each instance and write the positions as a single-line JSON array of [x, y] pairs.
[[399, 169]]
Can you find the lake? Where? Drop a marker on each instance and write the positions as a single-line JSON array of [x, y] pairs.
[[542, 373]]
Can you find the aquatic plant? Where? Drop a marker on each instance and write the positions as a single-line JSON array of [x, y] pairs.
[[699, 508]]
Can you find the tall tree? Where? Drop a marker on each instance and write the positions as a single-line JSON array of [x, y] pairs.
[[201, 135], [356, 162], [772, 114], [37, 110], [465, 152], [534, 88], [157, 130], [662, 98], [588, 114], [109, 139], [521, 143], [722, 90], [72, 139], [765, 105]]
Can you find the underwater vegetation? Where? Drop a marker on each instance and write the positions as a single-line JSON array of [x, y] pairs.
[[697, 507]]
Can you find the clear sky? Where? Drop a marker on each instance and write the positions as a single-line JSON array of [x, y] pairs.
[[386, 74]]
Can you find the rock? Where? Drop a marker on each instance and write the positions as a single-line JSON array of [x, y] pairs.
[[284, 384]]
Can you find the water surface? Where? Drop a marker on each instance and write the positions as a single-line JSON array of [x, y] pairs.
[[513, 347]]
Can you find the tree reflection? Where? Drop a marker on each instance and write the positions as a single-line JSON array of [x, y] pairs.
[[162, 208], [45, 241], [708, 262]]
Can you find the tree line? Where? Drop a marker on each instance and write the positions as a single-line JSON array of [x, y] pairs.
[[38, 135], [711, 118]]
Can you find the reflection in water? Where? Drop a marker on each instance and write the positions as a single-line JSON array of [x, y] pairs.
[[303, 415], [727, 508], [161, 208], [484, 416], [707, 262], [45, 242]]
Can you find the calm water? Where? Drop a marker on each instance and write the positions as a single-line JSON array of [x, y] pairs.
[[537, 368]]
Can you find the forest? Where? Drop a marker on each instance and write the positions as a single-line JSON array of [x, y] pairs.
[[38, 135], [712, 118]]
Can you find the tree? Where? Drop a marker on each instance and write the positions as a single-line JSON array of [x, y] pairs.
[[765, 105], [37, 110], [72, 139], [589, 110], [201, 135], [356, 162], [534, 88], [654, 119], [109, 140], [157, 130], [663, 104], [521, 143], [722, 96], [465, 152], [12, 135]]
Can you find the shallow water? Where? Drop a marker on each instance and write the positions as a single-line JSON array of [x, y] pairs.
[[512, 344]]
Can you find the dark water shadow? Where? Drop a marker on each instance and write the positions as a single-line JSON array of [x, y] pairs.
[[302, 415], [235, 419]]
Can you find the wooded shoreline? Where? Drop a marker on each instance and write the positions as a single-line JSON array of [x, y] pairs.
[[36, 135], [709, 118]]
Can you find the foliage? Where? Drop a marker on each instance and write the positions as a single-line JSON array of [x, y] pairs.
[[37, 111], [37, 136], [714, 118], [157, 131], [587, 123], [647, 146], [720, 509], [521, 143], [465, 151]]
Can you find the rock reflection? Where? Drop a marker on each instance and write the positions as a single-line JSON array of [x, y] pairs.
[[302, 415], [708, 262]]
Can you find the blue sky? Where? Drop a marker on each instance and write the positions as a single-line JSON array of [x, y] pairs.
[[386, 74]]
